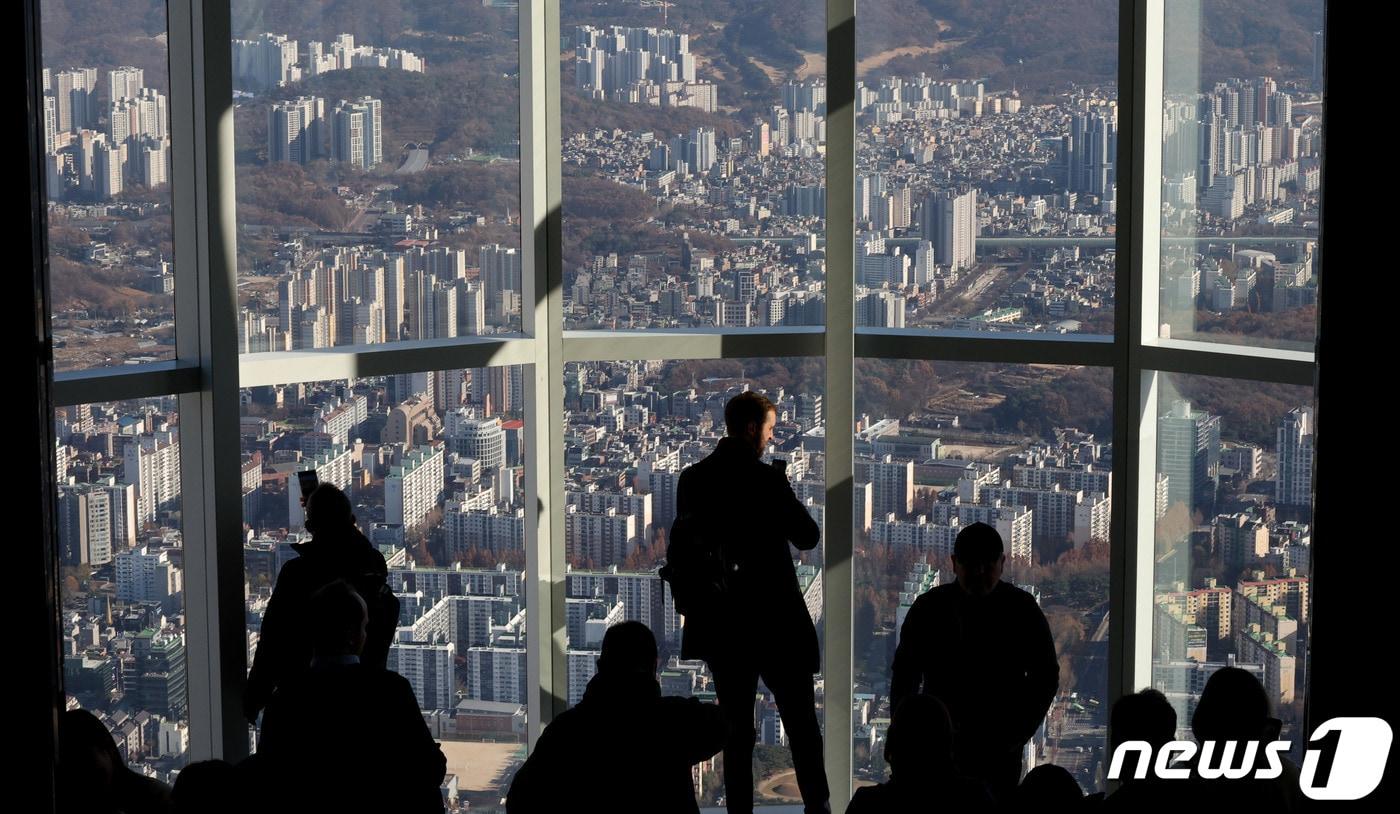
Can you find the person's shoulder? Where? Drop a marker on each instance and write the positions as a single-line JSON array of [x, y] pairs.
[[935, 596], [295, 568], [146, 794], [776, 476], [698, 470], [368, 674], [1017, 595], [563, 727]]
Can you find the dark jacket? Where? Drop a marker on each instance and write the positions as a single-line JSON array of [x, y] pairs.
[[284, 644], [750, 508], [349, 738], [991, 660], [624, 748]]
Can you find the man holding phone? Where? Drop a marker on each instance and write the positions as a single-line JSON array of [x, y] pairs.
[[337, 551], [758, 627]]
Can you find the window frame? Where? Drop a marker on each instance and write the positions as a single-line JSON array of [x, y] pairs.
[[209, 372]]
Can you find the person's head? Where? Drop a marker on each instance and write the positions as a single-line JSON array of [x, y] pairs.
[[1051, 787], [749, 417], [629, 648], [978, 559], [328, 509], [209, 787], [920, 736], [88, 760], [1143, 716], [338, 619], [1233, 706]]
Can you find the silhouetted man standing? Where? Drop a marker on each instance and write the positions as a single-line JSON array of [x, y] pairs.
[[759, 626], [337, 550], [983, 647], [624, 749]]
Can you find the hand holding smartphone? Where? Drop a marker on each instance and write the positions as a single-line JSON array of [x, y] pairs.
[[308, 482]]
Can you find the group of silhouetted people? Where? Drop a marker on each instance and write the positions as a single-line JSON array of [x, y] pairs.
[[974, 674], [339, 732]]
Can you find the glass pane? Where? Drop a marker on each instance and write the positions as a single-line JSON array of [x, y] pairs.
[[694, 170], [1241, 173], [107, 154], [122, 570], [378, 172], [631, 429], [1024, 448], [1233, 541], [986, 161], [433, 464]]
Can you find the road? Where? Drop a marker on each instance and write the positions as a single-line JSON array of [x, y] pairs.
[[417, 161]]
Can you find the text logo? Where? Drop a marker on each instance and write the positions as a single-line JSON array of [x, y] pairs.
[[1359, 748]]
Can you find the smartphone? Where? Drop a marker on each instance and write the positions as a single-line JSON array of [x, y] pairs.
[[780, 465], [308, 482]]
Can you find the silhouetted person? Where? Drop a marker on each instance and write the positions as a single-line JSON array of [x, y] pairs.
[[919, 751], [337, 551], [347, 736], [210, 787], [624, 747], [94, 779], [1234, 706], [983, 647], [1145, 716], [1049, 788], [760, 627]]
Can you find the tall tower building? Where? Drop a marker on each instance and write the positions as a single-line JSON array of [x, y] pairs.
[[125, 83], [892, 486], [152, 464], [1188, 453], [76, 94], [359, 133], [108, 168], [949, 220], [296, 130], [500, 271], [1293, 484]]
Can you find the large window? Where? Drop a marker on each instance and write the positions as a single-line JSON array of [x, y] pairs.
[[693, 177], [378, 173], [121, 560], [1233, 518], [1241, 175], [987, 167], [433, 251], [1026, 449], [631, 428], [107, 157], [432, 463]]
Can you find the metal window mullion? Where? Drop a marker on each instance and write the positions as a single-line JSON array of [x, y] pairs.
[[726, 343], [1134, 425], [1228, 362], [540, 200], [900, 343], [124, 383], [839, 403], [206, 320], [410, 356]]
